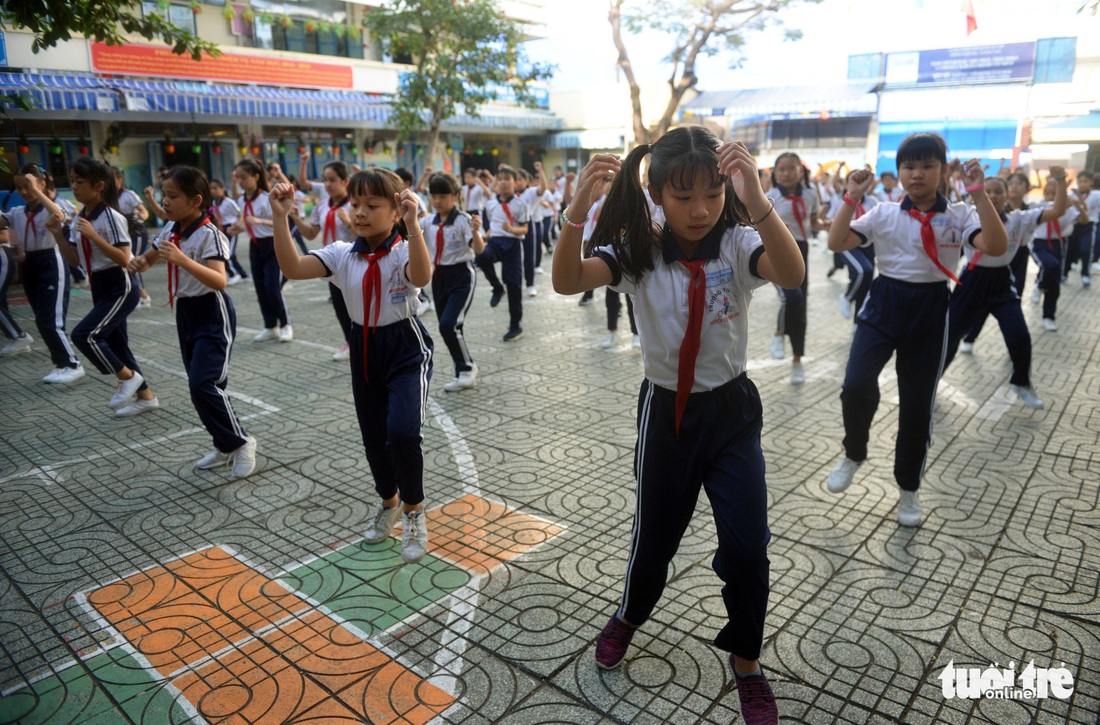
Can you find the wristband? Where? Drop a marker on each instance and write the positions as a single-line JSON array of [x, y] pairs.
[[576, 225], [975, 187], [756, 222], [849, 200]]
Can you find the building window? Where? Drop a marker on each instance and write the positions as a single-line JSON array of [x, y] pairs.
[[182, 16], [1055, 59]]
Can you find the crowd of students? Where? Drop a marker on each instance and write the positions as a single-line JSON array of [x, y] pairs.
[[688, 241]]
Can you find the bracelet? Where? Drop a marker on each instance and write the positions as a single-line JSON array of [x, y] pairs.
[[756, 222], [576, 225], [975, 187], [418, 234], [849, 200]]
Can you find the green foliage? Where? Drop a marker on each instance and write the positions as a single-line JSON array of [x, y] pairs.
[[52, 21], [1093, 6], [464, 52]]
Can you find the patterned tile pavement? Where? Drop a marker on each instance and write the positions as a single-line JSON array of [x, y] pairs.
[[135, 589]]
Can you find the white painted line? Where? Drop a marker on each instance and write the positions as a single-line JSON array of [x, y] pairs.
[[296, 341]]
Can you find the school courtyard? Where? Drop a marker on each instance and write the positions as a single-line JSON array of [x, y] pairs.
[[137, 590]]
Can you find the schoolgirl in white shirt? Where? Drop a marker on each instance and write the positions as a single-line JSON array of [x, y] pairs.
[[799, 207], [226, 213], [380, 274], [1049, 246], [917, 245], [196, 251], [699, 416], [256, 221], [99, 237]]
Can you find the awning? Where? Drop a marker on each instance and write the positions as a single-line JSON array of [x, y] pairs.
[[836, 99], [1082, 129], [588, 139], [86, 96]]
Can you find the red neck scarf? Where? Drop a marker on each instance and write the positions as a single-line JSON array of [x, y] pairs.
[[328, 236], [508, 212], [928, 239], [86, 244], [689, 348], [173, 269], [247, 212], [438, 242], [1054, 229], [798, 206], [31, 214], [372, 292]]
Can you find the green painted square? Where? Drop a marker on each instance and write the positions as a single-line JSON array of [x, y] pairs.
[[418, 585], [69, 696], [353, 565], [141, 692], [369, 609]]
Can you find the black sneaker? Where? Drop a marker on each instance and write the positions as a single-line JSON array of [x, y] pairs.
[[498, 295], [514, 334]]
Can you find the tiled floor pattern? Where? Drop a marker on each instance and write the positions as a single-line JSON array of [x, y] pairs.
[[256, 601]]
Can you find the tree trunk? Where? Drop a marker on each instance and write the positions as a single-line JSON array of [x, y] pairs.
[[641, 133]]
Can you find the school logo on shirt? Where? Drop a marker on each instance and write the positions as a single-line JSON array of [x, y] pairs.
[[994, 683], [947, 235], [722, 306]]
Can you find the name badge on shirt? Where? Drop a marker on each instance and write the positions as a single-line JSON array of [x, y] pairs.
[[398, 295]]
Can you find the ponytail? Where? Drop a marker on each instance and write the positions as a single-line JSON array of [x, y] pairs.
[[624, 221], [94, 172], [255, 168]]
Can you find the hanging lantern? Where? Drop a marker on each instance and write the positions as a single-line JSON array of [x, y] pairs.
[[196, 148], [248, 15], [354, 32], [229, 13], [216, 148], [450, 150], [335, 149], [318, 149], [495, 151], [56, 148], [353, 149], [256, 150], [285, 21], [311, 27], [370, 149], [282, 147], [266, 18], [481, 152], [196, 7]]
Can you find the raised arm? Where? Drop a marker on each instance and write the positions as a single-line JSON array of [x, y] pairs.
[[993, 239], [542, 177], [841, 236], [1061, 197], [152, 200], [294, 265], [571, 274]]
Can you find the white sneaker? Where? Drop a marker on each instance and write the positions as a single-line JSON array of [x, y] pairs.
[[635, 343], [465, 379], [286, 334], [532, 291], [777, 347], [966, 348], [383, 523], [909, 513], [271, 333], [414, 536], [1027, 394], [233, 279], [287, 287], [1035, 295], [213, 459], [845, 306], [125, 391], [145, 301], [137, 407], [51, 376], [343, 354], [798, 374], [244, 459], [539, 270], [608, 341], [1050, 324], [67, 375], [19, 345], [424, 308], [1085, 281], [842, 474]]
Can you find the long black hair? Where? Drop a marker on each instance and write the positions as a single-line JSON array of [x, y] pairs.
[[255, 168], [192, 182], [791, 155], [95, 171], [374, 181], [679, 158]]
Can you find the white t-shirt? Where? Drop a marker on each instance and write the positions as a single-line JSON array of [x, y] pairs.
[[338, 231], [899, 252], [866, 202], [1063, 225], [128, 200], [259, 206], [474, 198], [1092, 204], [661, 306], [1020, 225], [784, 207], [457, 238], [346, 267], [110, 225], [498, 217], [228, 211], [28, 230], [202, 242]]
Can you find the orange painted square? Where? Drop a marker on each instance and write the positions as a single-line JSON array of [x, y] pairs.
[[323, 649], [396, 694], [252, 599], [206, 567], [478, 535]]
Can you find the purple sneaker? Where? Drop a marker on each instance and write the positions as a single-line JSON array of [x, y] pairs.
[[757, 701], [613, 642]]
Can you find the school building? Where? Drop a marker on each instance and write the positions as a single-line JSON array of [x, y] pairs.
[[1027, 104], [291, 75]]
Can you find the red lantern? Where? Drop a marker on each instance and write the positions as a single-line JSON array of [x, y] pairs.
[[83, 150], [255, 150], [216, 148], [301, 150], [170, 148], [24, 149]]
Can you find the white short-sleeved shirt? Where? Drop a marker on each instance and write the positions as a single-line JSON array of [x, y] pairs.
[[228, 211], [110, 225], [542, 211], [474, 198], [346, 266], [531, 198], [128, 200], [590, 223], [661, 306], [457, 238], [28, 228], [899, 252], [1020, 225], [319, 217], [1092, 204], [866, 202], [258, 206], [784, 207], [494, 210], [1063, 225], [200, 241], [896, 194]]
